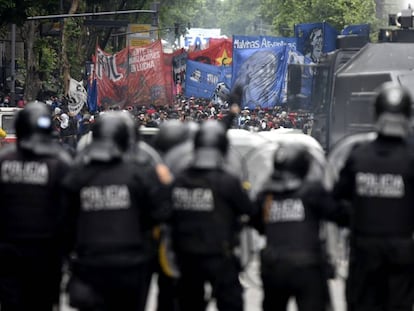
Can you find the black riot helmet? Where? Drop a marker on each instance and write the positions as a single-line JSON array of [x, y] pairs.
[[35, 118], [393, 110], [291, 163], [113, 134], [33, 124], [210, 145], [171, 133]]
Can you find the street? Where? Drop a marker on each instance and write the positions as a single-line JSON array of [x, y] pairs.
[[253, 293]]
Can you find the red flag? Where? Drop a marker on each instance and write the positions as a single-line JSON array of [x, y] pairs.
[[219, 53], [111, 73], [133, 76], [146, 79]]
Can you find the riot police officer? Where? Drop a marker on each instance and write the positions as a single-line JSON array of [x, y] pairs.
[[115, 203], [171, 134], [31, 213], [175, 141], [207, 204], [376, 183], [290, 208]]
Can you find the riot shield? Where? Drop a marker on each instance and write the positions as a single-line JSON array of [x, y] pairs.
[[251, 157], [338, 237], [339, 153]]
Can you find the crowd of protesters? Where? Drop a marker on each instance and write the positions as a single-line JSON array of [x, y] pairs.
[[71, 126], [198, 109]]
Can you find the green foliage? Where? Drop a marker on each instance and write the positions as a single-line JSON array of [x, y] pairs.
[[338, 13], [241, 17], [74, 32]]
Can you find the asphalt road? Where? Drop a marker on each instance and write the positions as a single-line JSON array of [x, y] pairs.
[[252, 294]]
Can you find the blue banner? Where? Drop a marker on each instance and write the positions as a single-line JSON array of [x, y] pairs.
[[262, 42], [262, 75], [303, 100], [359, 29], [315, 39], [201, 79], [92, 97]]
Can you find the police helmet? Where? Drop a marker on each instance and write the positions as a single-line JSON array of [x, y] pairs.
[[170, 134], [291, 163], [393, 110], [35, 118], [113, 134], [33, 126], [210, 145]]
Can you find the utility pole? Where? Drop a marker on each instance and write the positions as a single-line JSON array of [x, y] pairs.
[[13, 65], [89, 14]]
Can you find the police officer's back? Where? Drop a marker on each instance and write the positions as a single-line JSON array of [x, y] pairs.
[[207, 203], [377, 184], [290, 208], [115, 205], [31, 213], [171, 142]]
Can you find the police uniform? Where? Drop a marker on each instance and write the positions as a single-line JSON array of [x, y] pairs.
[[377, 183], [31, 213], [115, 204], [207, 204], [172, 135], [290, 208]]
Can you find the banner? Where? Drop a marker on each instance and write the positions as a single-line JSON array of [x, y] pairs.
[[358, 29], [111, 74], [315, 39], [179, 62], [77, 96], [198, 38], [202, 80], [134, 76], [219, 53], [171, 90], [146, 83], [261, 73], [305, 78], [91, 87], [92, 99], [262, 42]]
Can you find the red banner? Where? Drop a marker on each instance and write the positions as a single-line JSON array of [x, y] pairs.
[[134, 76], [219, 53]]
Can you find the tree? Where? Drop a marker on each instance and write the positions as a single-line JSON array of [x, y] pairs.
[[50, 61], [338, 13]]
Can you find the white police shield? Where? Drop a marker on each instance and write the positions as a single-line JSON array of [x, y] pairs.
[[251, 158], [337, 238]]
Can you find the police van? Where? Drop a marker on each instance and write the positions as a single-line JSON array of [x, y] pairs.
[[7, 115]]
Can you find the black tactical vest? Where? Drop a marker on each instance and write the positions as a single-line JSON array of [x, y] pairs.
[[383, 189], [30, 191], [203, 222], [111, 211], [290, 225]]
